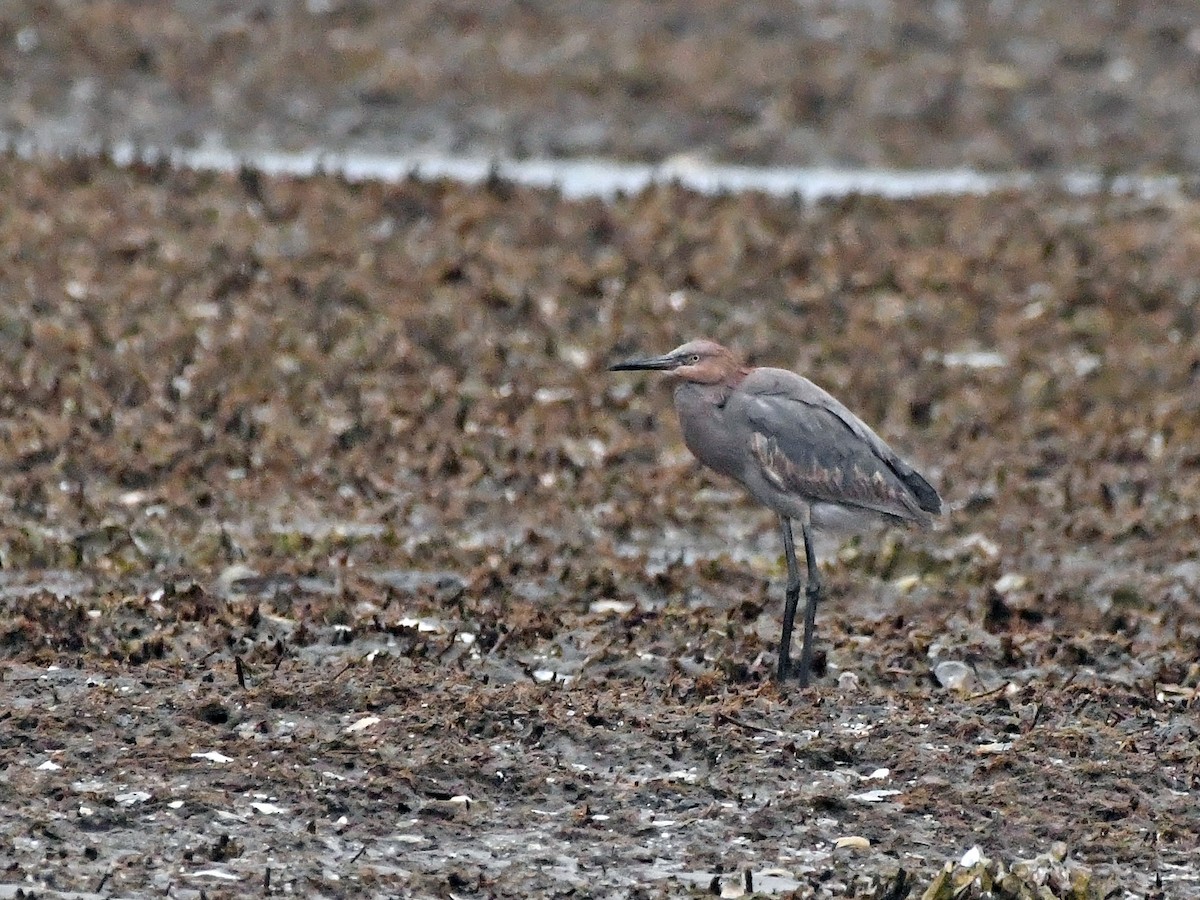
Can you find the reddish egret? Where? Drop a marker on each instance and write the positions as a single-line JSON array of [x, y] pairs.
[[796, 450]]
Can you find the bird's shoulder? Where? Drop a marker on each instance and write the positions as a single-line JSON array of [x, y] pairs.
[[765, 381], [768, 392]]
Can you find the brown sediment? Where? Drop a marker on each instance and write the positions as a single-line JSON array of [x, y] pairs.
[[282, 462]]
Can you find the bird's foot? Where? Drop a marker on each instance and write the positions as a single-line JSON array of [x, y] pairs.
[[788, 670]]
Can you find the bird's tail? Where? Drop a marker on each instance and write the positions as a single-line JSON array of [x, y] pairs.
[[927, 498]]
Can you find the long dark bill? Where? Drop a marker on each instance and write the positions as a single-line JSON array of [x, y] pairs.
[[637, 365]]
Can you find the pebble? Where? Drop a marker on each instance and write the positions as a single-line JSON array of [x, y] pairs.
[[952, 674]]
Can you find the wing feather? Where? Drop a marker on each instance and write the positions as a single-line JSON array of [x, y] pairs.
[[806, 442]]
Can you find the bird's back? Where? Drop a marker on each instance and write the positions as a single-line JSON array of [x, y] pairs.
[[805, 443]]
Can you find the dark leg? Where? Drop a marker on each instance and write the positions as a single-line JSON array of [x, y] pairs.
[[793, 598], [812, 596]]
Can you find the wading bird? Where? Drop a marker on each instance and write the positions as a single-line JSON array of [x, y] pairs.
[[797, 450]]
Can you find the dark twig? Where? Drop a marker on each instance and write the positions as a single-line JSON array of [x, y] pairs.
[[750, 726], [344, 669], [990, 693]]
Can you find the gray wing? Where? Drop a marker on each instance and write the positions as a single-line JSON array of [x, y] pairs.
[[807, 443]]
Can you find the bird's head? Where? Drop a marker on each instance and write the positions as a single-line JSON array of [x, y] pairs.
[[700, 361]]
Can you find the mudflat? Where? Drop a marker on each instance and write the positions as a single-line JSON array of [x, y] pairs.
[[335, 564]]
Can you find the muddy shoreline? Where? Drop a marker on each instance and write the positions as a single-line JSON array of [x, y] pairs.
[[334, 562]]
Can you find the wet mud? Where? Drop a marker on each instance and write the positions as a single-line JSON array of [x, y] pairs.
[[334, 563]]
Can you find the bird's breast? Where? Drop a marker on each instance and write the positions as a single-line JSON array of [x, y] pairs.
[[707, 430]]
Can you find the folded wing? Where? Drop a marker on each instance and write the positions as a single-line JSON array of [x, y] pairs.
[[808, 444]]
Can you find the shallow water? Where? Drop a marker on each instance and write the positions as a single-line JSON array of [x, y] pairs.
[[60, 582], [608, 178]]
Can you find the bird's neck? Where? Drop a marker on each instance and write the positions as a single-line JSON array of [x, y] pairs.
[[711, 394], [728, 377]]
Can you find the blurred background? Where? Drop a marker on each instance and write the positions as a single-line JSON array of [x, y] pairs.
[[1002, 84]]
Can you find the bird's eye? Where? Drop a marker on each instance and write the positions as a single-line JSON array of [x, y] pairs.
[[693, 359]]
